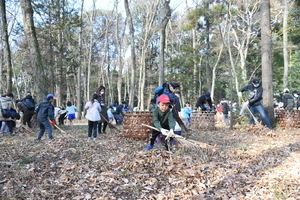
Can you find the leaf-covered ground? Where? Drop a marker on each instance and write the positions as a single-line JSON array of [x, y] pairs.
[[248, 165]]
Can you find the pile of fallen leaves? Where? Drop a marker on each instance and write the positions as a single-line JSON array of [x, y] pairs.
[[247, 165]]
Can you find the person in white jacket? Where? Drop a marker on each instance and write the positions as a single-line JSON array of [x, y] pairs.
[[93, 115]]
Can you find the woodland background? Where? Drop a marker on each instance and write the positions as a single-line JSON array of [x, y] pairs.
[[59, 47]]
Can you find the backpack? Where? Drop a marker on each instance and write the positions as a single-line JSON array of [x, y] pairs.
[[29, 104]]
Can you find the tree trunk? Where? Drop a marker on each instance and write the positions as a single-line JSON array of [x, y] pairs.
[[133, 59], [266, 53], [285, 44], [40, 88], [7, 48]]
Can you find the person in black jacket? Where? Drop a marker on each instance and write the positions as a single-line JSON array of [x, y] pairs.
[[203, 100], [45, 112], [255, 91], [29, 109], [297, 95], [119, 112]]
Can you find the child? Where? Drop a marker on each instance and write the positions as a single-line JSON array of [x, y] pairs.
[[44, 111], [71, 109], [187, 114], [110, 115], [93, 116], [163, 120]]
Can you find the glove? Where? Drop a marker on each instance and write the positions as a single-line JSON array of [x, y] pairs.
[[239, 94], [164, 131], [53, 123]]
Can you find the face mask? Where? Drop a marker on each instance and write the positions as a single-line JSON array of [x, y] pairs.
[[101, 92], [295, 95], [172, 90]]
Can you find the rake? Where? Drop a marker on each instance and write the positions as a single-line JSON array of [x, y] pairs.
[[109, 124], [189, 143]]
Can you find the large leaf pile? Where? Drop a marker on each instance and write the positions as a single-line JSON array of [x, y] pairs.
[[247, 166]]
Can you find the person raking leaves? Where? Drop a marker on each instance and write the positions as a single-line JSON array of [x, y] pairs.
[[45, 112], [163, 120]]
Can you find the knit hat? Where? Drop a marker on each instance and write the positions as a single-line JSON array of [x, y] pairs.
[[207, 95], [174, 84]]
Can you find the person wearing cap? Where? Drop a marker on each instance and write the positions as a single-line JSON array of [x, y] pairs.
[[296, 94], [187, 111], [45, 112], [163, 120], [204, 102], [255, 91], [288, 100], [93, 115]]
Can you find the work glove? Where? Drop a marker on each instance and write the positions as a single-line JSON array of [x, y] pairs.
[[164, 131], [239, 94], [53, 123]]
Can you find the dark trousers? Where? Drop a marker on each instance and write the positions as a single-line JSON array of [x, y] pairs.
[[45, 125], [100, 127], [27, 117], [92, 128], [155, 133]]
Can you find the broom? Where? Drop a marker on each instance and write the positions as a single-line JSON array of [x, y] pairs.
[[109, 124], [189, 143]]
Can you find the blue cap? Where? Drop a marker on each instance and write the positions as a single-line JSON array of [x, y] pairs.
[[50, 96]]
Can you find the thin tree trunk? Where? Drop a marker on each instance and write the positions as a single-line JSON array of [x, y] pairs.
[[266, 53], [285, 44], [133, 58], [7, 48]]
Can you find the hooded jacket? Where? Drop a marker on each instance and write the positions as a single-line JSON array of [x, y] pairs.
[[6, 104], [45, 110], [254, 94]]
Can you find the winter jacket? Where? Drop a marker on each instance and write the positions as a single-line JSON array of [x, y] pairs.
[[186, 113], [254, 94], [119, 109], [6, 103], [288, 102], [102, 103], [163, 119], [202, 100], [93, 111], [45, 110], [164, 89], [225, 108]]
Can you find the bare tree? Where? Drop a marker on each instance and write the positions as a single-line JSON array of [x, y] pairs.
[[266, 53], [133, 59], [7, 48], [36, 58], [285, 43]]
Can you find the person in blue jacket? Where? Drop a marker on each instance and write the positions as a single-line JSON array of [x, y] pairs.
[[45, 112], [187, 111]]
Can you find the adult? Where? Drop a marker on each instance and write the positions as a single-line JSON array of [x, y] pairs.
[[45, 112], [288, 100], [29, 109], [167, 89], [104, 117], [6, 103], [255, 92], [204, 102], [296, 94]]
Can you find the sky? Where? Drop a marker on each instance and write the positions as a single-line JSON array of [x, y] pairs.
[[178, 5]]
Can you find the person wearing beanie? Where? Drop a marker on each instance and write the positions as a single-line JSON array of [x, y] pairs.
[[163, 120], [45, 112], [167, 89], [255, 91], [288, 100], [204, 102], [296, 94], [29, 109]]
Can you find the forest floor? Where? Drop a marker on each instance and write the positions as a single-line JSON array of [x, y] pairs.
[[250, 163]]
